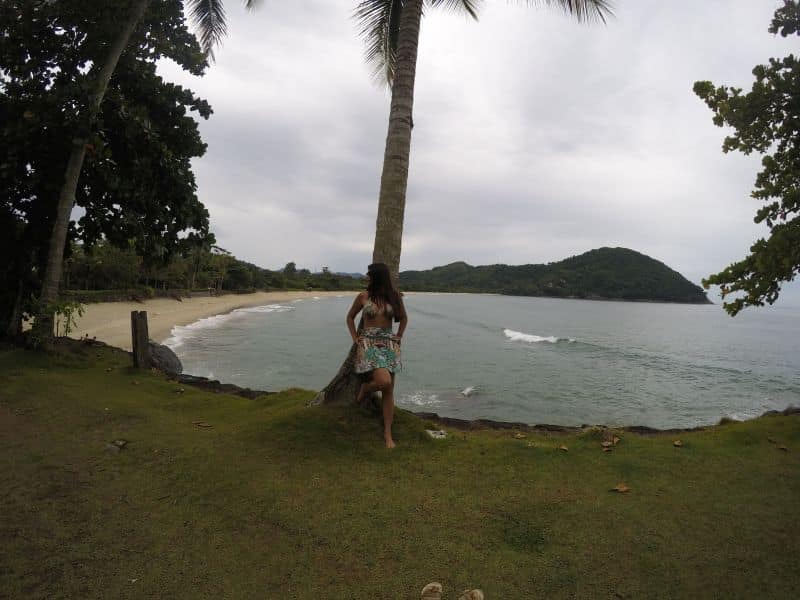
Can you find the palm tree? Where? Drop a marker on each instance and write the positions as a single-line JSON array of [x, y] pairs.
[[391, 32], [209, 17]]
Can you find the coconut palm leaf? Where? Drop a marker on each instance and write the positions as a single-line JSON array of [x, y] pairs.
[[468, 6], [379, 22], [582, 10], [209, 18]]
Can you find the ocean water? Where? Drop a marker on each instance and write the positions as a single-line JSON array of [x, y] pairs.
[[534, 360]]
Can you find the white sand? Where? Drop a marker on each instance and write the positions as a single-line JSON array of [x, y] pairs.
[[110, 322]]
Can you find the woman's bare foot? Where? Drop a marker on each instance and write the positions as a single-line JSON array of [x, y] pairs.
[[387, 437]]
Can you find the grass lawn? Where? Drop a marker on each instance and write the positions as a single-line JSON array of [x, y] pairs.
[[275, 500]]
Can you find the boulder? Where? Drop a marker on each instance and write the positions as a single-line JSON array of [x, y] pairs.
[[212, 385], [164, 359]]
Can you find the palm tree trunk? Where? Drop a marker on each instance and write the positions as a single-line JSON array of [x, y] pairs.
[[43, 326], [394, 178], [14, 326], [394, 181]]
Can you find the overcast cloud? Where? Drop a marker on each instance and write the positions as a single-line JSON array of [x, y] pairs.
[[535, 138]]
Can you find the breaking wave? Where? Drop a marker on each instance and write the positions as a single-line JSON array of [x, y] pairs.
[[264, 309], [519, 336], [420, 399], [180, 333]]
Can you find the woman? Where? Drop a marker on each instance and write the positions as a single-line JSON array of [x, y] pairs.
[[377, 348]]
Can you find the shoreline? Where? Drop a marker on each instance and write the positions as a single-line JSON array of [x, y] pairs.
[[110, 322], [214, 385]]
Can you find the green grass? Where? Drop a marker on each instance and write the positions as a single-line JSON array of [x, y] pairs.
[[281, 501]]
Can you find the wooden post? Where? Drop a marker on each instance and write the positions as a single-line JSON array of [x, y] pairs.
[[140, 339]]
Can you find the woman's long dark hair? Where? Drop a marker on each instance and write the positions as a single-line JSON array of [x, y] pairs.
[[381, 290]]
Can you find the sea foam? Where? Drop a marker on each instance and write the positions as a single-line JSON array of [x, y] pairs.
[[264, 309], [180, 333], [420, 399], [519, 336]]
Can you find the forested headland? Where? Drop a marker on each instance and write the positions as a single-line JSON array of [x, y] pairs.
[[604, 273], [106, 272]]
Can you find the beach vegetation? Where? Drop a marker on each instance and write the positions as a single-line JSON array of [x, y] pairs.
[[65, 312], [118, 483], [766, 121], [104, 272]]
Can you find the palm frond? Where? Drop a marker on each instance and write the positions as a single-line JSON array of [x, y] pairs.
[[379, 22], [468, 6], [209, 18], [582, 10]]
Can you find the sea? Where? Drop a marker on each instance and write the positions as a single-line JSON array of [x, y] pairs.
[[522, 359]]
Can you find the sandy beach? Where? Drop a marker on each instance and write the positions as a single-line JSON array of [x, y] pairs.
[[110, 322]]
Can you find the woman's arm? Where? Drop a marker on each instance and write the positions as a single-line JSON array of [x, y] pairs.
[[403, 320], [358, 304]]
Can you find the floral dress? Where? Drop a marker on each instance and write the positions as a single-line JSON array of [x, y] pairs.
[[377, 348]]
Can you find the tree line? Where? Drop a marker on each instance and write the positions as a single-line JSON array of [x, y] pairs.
[[106, 272]]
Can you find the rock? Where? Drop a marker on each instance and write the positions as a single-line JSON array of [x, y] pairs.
[[471, 595], [164, 359], [432, 591], [435, 434], [113, 448], [212, 385]]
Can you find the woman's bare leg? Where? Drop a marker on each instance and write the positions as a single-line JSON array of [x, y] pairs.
[[365, 389], [388, 416], [362, 391], [384, 381]]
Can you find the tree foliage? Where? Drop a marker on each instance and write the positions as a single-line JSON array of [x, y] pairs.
[[136, 186], [106, 272], [766, 120]]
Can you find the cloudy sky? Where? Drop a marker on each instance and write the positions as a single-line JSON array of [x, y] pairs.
[[536, 138]]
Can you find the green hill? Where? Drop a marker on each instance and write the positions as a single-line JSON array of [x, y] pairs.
[[604, 273]]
